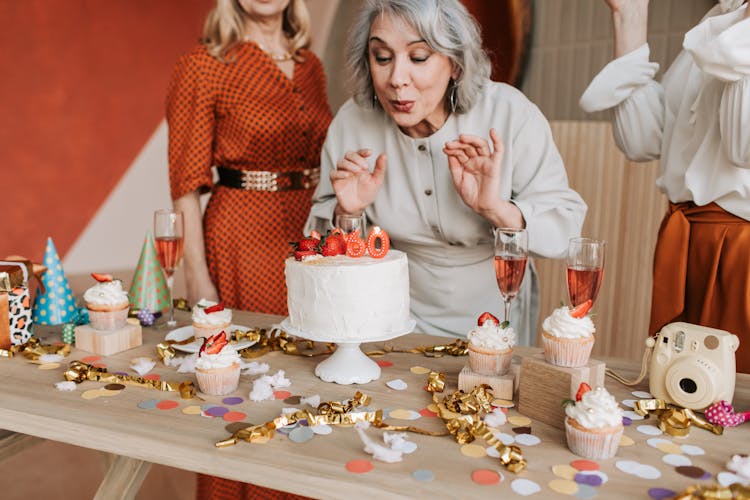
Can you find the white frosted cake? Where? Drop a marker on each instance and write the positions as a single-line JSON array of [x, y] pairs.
[[345, 298]]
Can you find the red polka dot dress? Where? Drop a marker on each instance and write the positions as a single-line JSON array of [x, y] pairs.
[[246, 114]]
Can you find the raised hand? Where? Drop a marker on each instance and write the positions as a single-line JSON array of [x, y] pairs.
[[475, 169], [355, 186]]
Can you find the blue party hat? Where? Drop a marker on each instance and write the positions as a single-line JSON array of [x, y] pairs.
[[57, 305]]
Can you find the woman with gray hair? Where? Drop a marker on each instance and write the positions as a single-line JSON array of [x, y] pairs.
[[422, 98]]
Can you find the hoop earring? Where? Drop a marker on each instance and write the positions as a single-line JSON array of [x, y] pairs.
[[452, 97]]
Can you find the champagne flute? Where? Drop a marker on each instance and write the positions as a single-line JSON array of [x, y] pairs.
[[585, 269], [350, 223], [169, 229], [511, 254]]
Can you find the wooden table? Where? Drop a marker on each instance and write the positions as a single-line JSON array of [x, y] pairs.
[[30, 404]]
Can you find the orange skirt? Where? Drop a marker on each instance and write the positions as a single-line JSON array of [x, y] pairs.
[[216, 488], [702, 272]]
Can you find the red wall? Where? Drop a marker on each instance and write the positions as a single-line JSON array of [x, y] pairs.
[[82, 89]]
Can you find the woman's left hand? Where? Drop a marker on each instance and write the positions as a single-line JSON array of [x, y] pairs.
[[475, 169]]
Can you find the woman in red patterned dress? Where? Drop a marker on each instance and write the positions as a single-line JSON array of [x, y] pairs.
[[251, 101]]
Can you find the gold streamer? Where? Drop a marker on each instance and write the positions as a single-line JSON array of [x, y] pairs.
[[33, 349], [435, 382], [734, 491], [674, 420], [459, 347], [79, 372]]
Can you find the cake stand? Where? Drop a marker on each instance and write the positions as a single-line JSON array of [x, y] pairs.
[[348, 364]]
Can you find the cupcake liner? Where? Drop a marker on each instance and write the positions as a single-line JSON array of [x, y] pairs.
[[593, 444], [218, 381], [205, 331], [490, 363], [570, 353], [108, 320]]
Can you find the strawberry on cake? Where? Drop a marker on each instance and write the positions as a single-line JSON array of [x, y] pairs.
[[210, 318]]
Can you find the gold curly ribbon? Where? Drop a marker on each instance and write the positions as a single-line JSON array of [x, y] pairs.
[[735, 491], [459, 347], [181, 304], [33, 349], [461, 413], [674, 420], [80, 372], [435, 382]]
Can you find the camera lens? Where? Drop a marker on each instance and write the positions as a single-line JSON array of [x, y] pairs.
[[688, 385]]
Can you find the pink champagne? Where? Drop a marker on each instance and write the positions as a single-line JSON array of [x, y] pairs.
[[509, 272], [584, 283], [169, 251]]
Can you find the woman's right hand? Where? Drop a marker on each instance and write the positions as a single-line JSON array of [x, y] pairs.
[[355, 186]]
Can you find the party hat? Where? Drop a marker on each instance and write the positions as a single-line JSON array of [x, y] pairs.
[[149, 286], [57, 305]]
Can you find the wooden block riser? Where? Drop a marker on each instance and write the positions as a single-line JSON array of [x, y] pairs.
[[106, 343], [502, 385]]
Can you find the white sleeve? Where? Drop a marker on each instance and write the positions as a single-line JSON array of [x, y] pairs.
[[627, 84], [722, 50], [553, 212]]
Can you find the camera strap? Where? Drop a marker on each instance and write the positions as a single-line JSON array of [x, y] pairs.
[[650, 343]]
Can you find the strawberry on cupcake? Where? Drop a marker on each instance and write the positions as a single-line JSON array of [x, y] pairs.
[[593, 423], [210, 318], [568, 336], [107, 303], [491, 346], [217, 368]]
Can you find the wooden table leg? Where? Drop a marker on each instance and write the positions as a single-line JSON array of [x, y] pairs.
[[123, 479], [12, 443]]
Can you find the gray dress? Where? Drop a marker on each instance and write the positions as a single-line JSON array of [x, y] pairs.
[[450, 248]]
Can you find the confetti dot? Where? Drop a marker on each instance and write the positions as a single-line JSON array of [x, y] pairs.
[[626, 441], [383, 363], [632, 415], [237, 426], [491, 451], [655, 442], [192, 410], [167, 404], [148, 404], [519, 421], [419, 370], [232, 401], [49, 366], [726, 478], [670, 448], [642, 395], [588, 479], [293, 400], [473, 450], [563, 486], [660, 493], [216, 411], [301, 434], [521, 430], [585, 491], [423, 475], [564, 471], [676, 460], [426, 412], [689, 449], [152, 376], [601, 475], [525, 487], [91, 394], [90, 359], [322, 429], [527, 440], [402, 414], [114, 387], [234, 416], [502, 403], [506, 439], [637, 469], [359, 466], [626, 421], [485, 477], [281, 394], [584, 465], [649, 430], [692, 472], [630, 403], [397, 384]]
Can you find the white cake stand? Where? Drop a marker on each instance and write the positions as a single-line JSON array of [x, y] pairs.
[[348, 364]]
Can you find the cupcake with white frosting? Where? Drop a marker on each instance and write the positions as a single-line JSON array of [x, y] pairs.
[[107, 303], [491, 346], [210, 318], [217, 368], [593, 423], [568, 336]]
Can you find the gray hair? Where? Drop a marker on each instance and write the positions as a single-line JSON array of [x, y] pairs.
[[445, 25]]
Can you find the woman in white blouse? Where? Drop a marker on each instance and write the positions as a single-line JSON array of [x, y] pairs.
[[435, 153], [697, 121]]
